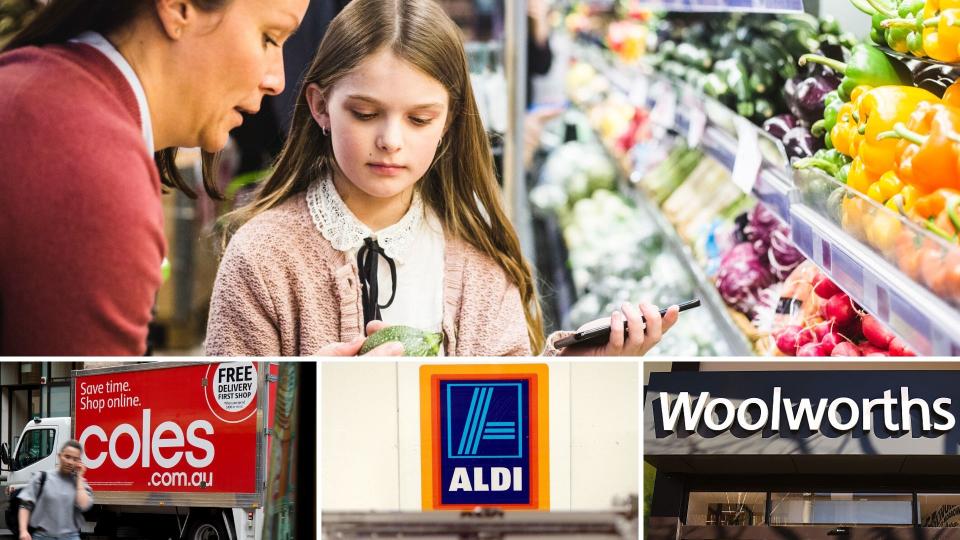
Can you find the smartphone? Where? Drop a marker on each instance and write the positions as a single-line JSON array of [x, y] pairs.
[[599, 336]]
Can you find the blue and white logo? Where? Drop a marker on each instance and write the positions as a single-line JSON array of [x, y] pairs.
[[484, 441], [492, 423]]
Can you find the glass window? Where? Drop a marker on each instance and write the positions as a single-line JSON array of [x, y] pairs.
[[29, 372], [938, 510], [841, 509], [726, 508], [36, 445], [59, 401], [61, 370]]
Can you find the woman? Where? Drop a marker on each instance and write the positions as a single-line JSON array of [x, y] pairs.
[[95, 98]]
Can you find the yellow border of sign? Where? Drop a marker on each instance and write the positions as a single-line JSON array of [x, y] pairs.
[[543, 423]]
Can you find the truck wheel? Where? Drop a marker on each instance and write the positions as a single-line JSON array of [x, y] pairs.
[[208, 527]]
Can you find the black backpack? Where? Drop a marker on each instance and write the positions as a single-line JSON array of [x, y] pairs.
[[11, 515]]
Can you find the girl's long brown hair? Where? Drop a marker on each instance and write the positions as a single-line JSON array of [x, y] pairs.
[[460, 186], [63, 20]]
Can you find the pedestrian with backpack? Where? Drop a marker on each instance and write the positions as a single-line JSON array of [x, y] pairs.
[[51, 505]]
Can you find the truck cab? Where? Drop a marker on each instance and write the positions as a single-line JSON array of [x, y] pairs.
[[36, 451]]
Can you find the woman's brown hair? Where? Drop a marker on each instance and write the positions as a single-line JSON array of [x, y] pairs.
[[460, 186], [63, 20]]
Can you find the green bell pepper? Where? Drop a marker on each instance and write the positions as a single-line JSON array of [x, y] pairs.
[[831, 108], [868, 66]]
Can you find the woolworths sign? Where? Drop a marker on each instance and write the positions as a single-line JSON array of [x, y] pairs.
[[756, 413]]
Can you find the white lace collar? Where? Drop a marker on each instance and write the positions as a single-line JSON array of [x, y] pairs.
[[345, 232]]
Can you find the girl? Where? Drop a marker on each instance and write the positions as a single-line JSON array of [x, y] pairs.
[[383, 209], [95, 98]]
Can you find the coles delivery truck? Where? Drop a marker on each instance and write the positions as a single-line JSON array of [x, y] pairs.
[[172, 450]]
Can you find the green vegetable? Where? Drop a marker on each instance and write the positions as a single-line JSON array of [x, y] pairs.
[[828, 161], [868, 66], [831, 108], [415, 342]]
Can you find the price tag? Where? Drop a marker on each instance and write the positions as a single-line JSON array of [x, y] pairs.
[[640, 92], [664, 114], [696, 120], [746, 168]]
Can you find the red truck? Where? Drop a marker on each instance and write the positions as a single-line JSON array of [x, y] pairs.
[[172, 449]]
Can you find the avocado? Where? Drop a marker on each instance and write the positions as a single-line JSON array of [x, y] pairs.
[[415, 342]]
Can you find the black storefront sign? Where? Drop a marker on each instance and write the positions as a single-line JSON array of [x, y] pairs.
[[893, 436]]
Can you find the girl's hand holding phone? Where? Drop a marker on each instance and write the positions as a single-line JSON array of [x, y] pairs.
[[634, 343]]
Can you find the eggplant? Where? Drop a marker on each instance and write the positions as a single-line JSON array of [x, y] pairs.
[[800, 143], [805, 97], [779, 125]]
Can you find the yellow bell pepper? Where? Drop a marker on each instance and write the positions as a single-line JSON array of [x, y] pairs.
[[941, 35], [880, 110], [887, 186], [852, 214], [844, 135], [859, 178], [883, 230], [904, 201]]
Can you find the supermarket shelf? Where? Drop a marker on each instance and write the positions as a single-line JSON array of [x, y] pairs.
[[919, 317], [922, 319], [772, 188], [709, 296], [773, 185]]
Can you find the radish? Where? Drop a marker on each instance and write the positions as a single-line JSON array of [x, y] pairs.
[[810, 349], [840, 310], [829, 343], [821, 329], [853, 331], [787, 339], [876, 333], [824, 288], [805, 336], [822, 311], [867, 349], [845, 348], [899, 348]]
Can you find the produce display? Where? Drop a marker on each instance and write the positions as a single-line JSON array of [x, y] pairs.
[[629, 261], [744, 61], [810, 316], [869, 139]]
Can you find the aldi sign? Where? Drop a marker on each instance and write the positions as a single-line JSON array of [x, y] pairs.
[[484, 435]]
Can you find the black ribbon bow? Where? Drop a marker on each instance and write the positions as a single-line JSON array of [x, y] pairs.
[[367, 261]]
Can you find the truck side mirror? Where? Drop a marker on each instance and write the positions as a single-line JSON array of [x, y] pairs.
[[4, 454]]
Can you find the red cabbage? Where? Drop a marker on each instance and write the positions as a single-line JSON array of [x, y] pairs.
[[741, 277], [783, 256]]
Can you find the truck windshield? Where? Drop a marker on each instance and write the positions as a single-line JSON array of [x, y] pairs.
[[35, 445]]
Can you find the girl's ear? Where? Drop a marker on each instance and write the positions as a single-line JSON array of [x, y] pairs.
[[318, 105]]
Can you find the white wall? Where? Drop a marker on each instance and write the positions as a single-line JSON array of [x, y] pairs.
[[370, 444], [850, 18]]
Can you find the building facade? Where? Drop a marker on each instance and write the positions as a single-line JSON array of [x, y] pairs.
[[854, 451]]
